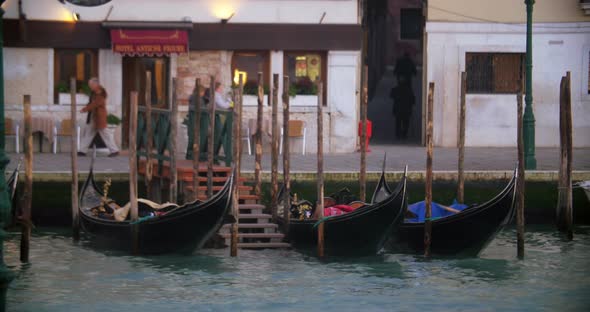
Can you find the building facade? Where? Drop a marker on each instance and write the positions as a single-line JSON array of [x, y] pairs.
[[48, 41], [487, 40]]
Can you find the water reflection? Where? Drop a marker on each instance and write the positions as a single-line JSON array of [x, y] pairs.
[[64, 276]]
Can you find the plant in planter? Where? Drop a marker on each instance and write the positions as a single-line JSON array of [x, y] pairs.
[[113, 120], [65, 98], [303, 92], [251, 93]]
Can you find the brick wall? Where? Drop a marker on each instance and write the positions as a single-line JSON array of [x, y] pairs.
[[201, 64]]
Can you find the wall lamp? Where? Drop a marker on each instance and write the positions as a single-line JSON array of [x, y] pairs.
[[225, 20]]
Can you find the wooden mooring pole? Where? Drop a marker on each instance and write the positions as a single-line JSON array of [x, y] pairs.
[[172, 140], [274, 171], [28, 194], [521, 180], [211, 138], [286, 153], [196, 138], [74, 160], [429, 154], [564, 199], [237, 150], [364, 104], [150, 135], [461, 143], [320, 181], [133, 172], [258, 138]]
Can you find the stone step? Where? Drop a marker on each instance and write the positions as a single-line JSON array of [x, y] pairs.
[[255, 235], [252, 208], [264, 245], [253, 226], [254, 216]]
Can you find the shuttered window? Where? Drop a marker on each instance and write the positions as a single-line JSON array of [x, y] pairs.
[[494, 72]]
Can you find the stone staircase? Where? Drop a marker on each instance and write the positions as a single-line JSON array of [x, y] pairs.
[[255, 227]]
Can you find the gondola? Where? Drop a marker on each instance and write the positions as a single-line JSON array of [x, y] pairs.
[[360, 232], [12, 184], [163, 228], [467, 232], [585, 185]]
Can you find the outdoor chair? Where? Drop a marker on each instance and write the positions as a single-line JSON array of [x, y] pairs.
[[246, 136], [297, 129], [12, 129], [64, 130]]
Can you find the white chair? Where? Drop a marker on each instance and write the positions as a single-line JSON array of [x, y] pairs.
[[297, 129], [64, 130], [12, 128], [246, 136]]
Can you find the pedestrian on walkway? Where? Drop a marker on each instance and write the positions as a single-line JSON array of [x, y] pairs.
[[97, 120], [405, 69], [403, 102], [221, 102]]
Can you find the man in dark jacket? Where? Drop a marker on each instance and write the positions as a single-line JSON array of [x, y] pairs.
[[403, 101]]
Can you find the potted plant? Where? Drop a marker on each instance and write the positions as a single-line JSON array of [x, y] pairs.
[[250, 97], [113, 121], [303, 92], [64, 97]]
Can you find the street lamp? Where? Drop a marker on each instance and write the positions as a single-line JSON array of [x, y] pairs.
[[6, 275], [528, 119]]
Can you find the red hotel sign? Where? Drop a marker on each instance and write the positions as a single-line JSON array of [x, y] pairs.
[[149, 42]]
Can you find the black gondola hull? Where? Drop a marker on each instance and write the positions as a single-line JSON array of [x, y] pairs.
[[182, 230], [465, 233], [361, 232]]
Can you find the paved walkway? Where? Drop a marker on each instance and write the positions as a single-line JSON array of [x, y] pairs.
[[445, 159]]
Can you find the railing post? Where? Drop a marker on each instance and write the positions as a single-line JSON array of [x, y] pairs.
[[275, 147], [320, 181], [28, 194], [149, 135], [74, 162], [133, 171], [196, 137], [211, 138], [286, 152], [172, 146], [429, 155], [258, 137]]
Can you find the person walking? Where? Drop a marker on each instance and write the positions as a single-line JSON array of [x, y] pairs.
[[405, 69], [403, 102], [97, 120]]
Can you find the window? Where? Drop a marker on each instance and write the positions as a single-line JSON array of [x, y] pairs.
[[410, 24], [304, 69], [494, 72], [81, 64], [250, 64]]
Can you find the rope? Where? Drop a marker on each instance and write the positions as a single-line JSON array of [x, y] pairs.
[[143, 219], [320, 221]]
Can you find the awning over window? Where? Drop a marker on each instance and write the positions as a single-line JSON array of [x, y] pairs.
[[144, 42]]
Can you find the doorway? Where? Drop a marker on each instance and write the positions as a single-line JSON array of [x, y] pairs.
[[134, 79], [395, 49]]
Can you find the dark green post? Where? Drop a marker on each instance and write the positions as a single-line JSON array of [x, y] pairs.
[[6, 275], [529, 118]]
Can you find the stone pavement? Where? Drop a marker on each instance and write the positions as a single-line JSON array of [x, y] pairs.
[[445, 159]]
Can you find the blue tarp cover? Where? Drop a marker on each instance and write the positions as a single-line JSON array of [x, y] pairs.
[[419, 209]]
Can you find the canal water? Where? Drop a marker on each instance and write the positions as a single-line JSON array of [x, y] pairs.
[[64, 276]]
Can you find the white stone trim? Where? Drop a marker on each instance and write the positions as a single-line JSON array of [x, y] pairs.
[[585, 76], [499, 28], [51, 76]]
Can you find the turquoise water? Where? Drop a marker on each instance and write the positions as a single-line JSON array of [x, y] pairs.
[[64, 276]]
